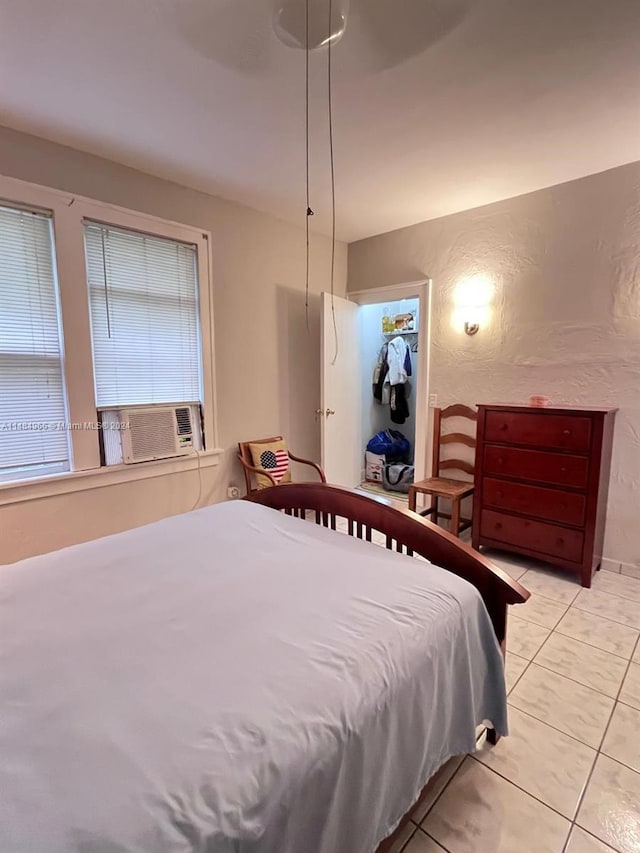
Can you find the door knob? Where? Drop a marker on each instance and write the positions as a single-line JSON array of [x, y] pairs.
[[319, 411], [330, 412]]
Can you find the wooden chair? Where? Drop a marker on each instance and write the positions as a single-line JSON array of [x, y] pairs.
[[250, 470], [438, 487]]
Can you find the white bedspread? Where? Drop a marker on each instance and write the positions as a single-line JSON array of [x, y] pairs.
[[232, 680]]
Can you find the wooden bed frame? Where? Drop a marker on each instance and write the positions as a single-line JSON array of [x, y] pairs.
[[406, 532]]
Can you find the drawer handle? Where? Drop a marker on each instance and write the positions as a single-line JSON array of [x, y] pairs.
[[566, 432], [499, 525], [563, 470]]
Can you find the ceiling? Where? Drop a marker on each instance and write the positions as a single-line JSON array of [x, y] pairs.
[[439, 105]]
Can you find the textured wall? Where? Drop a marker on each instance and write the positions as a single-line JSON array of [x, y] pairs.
[[565, 319], [267, 363]]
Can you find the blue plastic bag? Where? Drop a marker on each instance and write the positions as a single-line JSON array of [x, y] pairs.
[[390, 443]]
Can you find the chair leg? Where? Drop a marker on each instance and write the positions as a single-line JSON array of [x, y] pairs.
[[434, 505], [412, 498], [455, 516]]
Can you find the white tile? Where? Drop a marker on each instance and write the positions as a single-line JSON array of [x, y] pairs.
[[524, 638], [596, 631], [396, 842], [480, 812], [514, 669], [611, 807], [514, 572], [421, 843], [630, 693], [573, 708], [609, 606], [622, 585], [636, 656], [434, 788], [561, 587], [378, 538], [586, 664], [529, 759], [540, 611], [513, 564], [581, 842], [622, 740]]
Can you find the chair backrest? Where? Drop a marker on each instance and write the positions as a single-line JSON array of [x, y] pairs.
[[244, 452], [457, 410]]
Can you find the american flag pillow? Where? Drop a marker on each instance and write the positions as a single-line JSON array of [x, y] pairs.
[[272, 457]]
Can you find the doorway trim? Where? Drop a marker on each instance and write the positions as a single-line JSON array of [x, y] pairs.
[[421, 290]]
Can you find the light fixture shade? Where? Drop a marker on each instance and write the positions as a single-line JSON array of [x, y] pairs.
[[290, 22], [472, 299]]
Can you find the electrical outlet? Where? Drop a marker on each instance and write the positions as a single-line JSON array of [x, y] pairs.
[[433, 401], [233, 492]]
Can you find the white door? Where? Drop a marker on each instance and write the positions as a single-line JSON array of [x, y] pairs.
[[342, 453]]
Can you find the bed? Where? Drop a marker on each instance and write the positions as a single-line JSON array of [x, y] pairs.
[[239, 680]]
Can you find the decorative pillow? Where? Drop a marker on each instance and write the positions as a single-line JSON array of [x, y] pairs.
[[273, 457]]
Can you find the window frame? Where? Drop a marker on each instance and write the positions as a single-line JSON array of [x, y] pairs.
[[68, 213]]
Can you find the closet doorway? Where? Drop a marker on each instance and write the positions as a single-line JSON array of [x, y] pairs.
[[356, 333]]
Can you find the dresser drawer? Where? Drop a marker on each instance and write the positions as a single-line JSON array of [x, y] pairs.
[[549, 504], [537, 536], [555, 431], [559, 468]]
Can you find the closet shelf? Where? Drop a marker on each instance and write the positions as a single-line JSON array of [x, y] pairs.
[[398, 332]]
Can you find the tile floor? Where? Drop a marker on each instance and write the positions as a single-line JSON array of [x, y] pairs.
[[567, 779]]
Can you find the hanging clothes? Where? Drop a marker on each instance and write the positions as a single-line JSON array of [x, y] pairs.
[[380, 372], [399, 404], [390, 376], [407, 361], [399, 358]]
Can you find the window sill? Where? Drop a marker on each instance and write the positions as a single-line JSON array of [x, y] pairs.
[[17, 491]]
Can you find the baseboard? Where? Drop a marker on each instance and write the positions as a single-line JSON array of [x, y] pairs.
[[632, 570]]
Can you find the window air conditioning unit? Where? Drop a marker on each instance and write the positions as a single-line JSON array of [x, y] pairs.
[[142, 434]]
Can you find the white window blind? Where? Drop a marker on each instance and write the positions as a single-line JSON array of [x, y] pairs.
[[143, 293], [33, 434]]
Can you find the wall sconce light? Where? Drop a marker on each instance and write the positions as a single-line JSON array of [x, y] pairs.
[[472, 299]]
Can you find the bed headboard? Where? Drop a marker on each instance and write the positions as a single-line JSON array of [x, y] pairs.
[[405, 532]]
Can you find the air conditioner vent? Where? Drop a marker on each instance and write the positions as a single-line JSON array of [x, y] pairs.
[[183, 419], [152, 434]]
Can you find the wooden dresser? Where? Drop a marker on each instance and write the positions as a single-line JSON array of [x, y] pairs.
[[541, 483]]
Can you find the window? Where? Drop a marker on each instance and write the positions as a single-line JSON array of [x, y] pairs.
[[100, 308], [33, 433], [143, 295]]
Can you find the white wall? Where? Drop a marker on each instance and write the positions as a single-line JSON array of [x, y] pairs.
[[268, 365], [565, 320]]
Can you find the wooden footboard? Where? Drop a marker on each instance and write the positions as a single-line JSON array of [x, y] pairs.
[[405, 532]]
